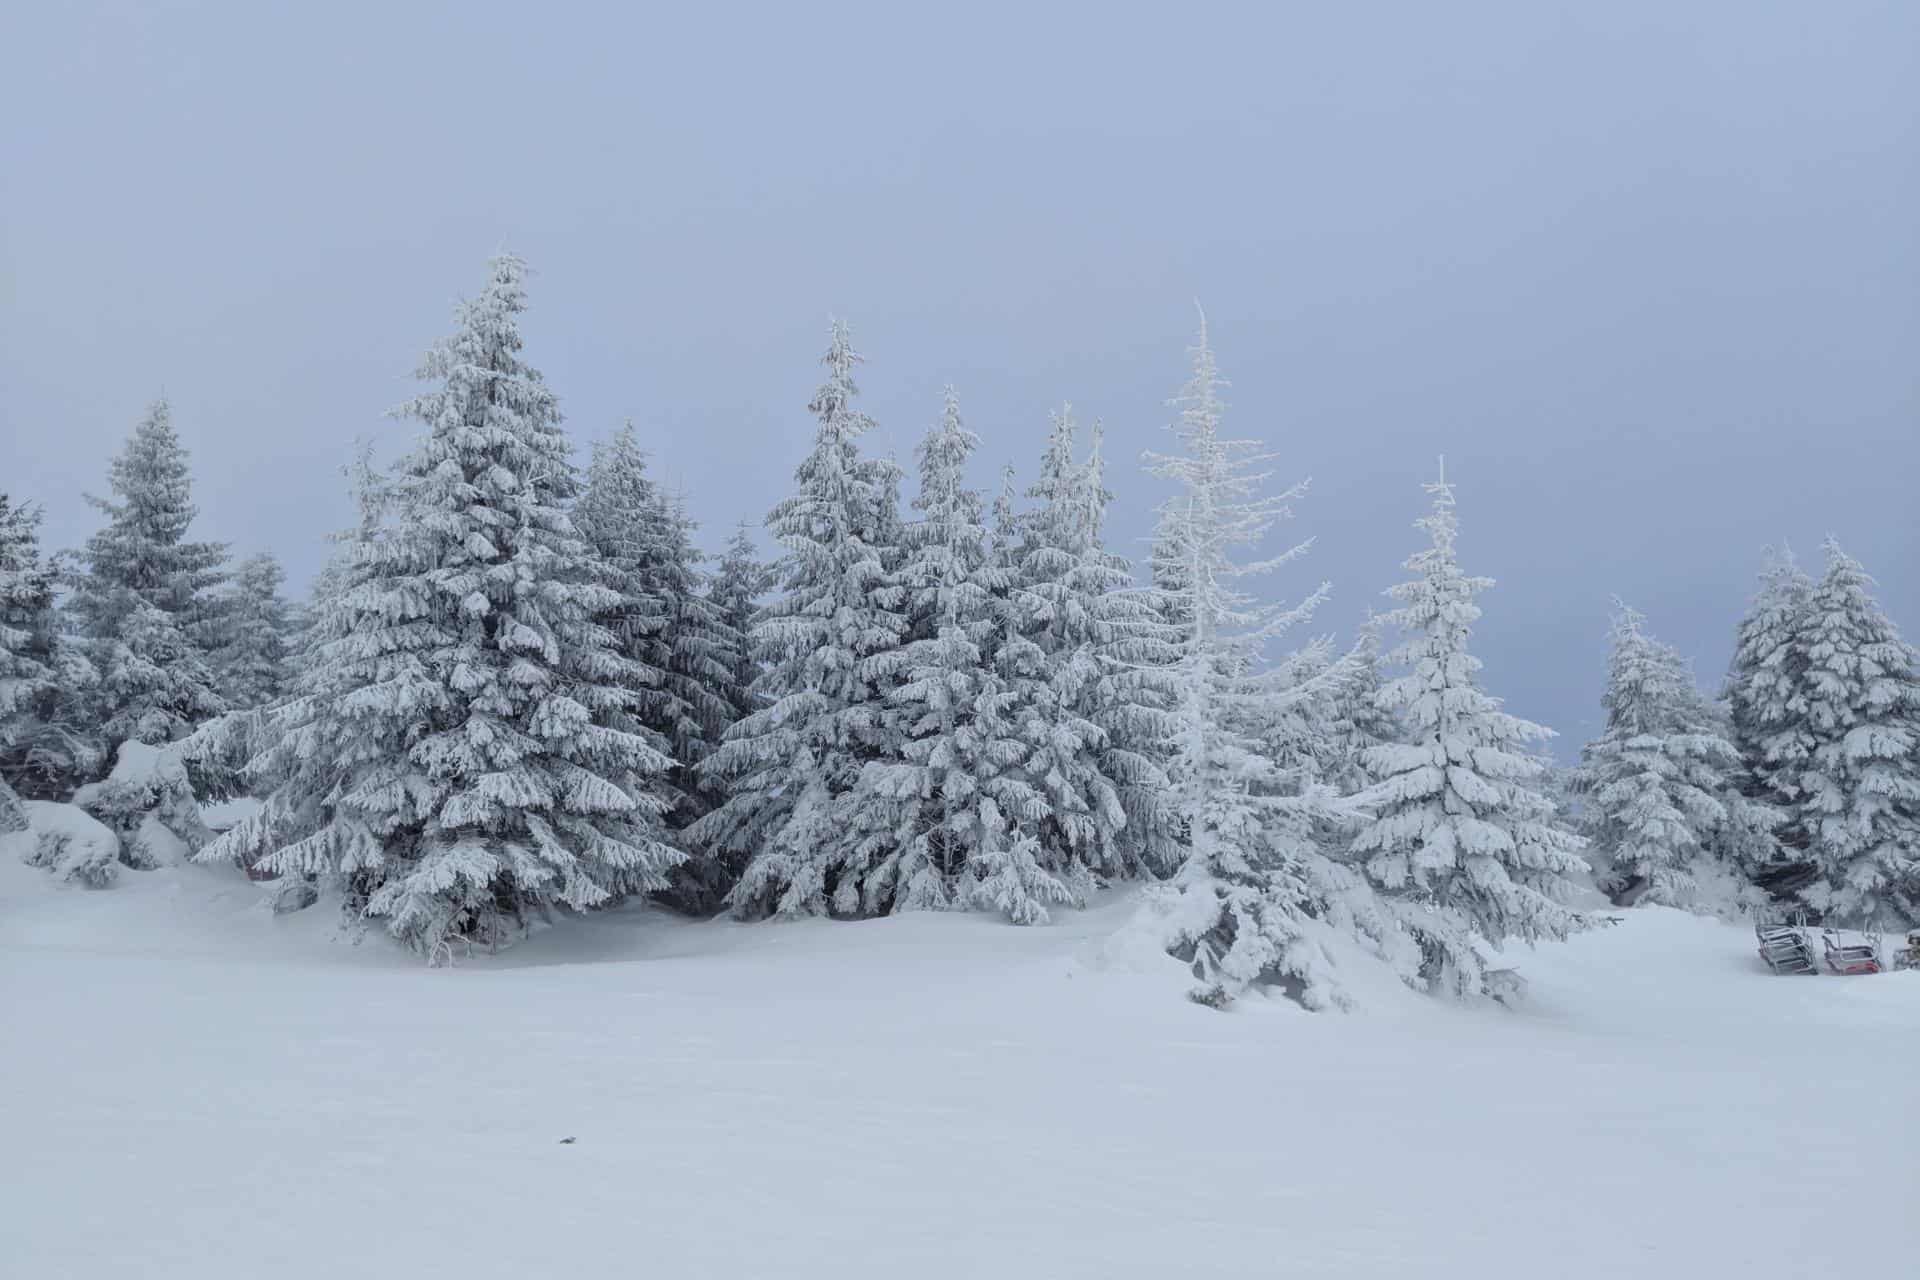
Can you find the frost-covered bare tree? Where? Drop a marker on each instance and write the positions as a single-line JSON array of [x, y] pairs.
[[1256, 889]]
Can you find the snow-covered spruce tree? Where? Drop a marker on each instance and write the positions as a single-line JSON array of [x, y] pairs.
[[672, 633], [45, 681], [1132, 698], [1355, 719], [738, 583], [1254, 879], [701, 650], [1763, 682], [296, 752], [1085, 662], [1462, 834], [256, 629], [1659, 781], [141, 603], [829, 649], [952, 812], [461, 755], [1860, 700]]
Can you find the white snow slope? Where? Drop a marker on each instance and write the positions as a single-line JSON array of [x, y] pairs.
[[192, 1087]]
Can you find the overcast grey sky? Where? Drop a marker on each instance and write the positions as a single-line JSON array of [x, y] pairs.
[[1647, 273]]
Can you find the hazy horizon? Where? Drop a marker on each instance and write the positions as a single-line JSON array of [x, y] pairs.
[[1649, 279]]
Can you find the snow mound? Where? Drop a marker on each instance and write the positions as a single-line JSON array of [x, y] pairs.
[[69, 842], [149, 802]]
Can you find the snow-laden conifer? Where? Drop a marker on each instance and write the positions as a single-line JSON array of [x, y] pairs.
[[952, 810], [256, 629], [665, 625], [1084, 662], [142, 602], [1254, 880], [1356, 721], [1462, 833], [462, 754], [1860, 700], [1763, 684], [739, 582], [1658, 784], [297, 752], [829, 649], [46, 748]]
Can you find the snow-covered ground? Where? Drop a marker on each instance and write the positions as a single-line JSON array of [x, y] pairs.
[[192, 1087]]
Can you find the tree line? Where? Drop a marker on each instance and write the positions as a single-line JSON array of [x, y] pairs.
[[518, 686]]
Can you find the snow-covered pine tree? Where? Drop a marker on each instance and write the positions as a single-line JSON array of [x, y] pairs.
[[1254, 879], [1085, 661], [296, 752], [45, 681], [952, 813], [738, 583], [1656, 782], [829, 649], [1462, 834], [1860, 700], [256, 626], [1132, 699], [142, 602], [1356, 722], [700, 651], [1763, 681], [371, 490], [665, 624], [461, 757]]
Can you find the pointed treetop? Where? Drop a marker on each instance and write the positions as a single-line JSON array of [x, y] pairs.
[[1199, 404]]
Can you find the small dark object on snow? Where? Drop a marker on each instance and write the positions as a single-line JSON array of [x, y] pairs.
[[567, 1142]]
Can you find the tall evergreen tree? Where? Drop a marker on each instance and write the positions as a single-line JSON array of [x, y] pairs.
[[952, 809], [738, 583], [829, 648], [1660, 780], [1255, 877], [1763, 681], [1355, 719], [463, 754], [1086, 661], [142, 602], [665, 625], [1462, 832], [700, 651], [45, 750], [1860, 792], [256, 627], [347, 566]]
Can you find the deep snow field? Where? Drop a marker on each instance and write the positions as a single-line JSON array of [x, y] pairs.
[[192, 1087]]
